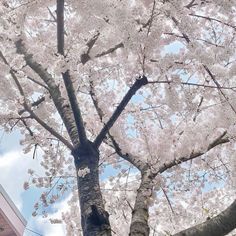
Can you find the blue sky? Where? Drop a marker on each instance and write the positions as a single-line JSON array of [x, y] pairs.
[[172, 48], [14, 165]]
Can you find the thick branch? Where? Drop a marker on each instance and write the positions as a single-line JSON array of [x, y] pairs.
[[60, 103], [218, 141], [133, 89], [75, 107], [66, 76], [48, 128], [32, 114], [219, 225], [126, 156], [60, 26]]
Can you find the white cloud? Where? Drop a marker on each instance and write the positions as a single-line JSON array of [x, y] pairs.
[[13, 168], [14, 165]]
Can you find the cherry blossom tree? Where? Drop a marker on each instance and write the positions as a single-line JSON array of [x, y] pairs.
[[147, 87]]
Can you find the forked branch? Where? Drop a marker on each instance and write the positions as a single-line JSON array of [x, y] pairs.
[[218, 141], [120, 108], [66, 75], [126, 156], [63, 109], [28, 108]]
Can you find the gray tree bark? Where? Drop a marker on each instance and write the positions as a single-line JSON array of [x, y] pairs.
[[94, 218], [219, 225], [139, 223]]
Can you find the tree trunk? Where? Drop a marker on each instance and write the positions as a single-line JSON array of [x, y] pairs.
[[94, 218], [139, 223]]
